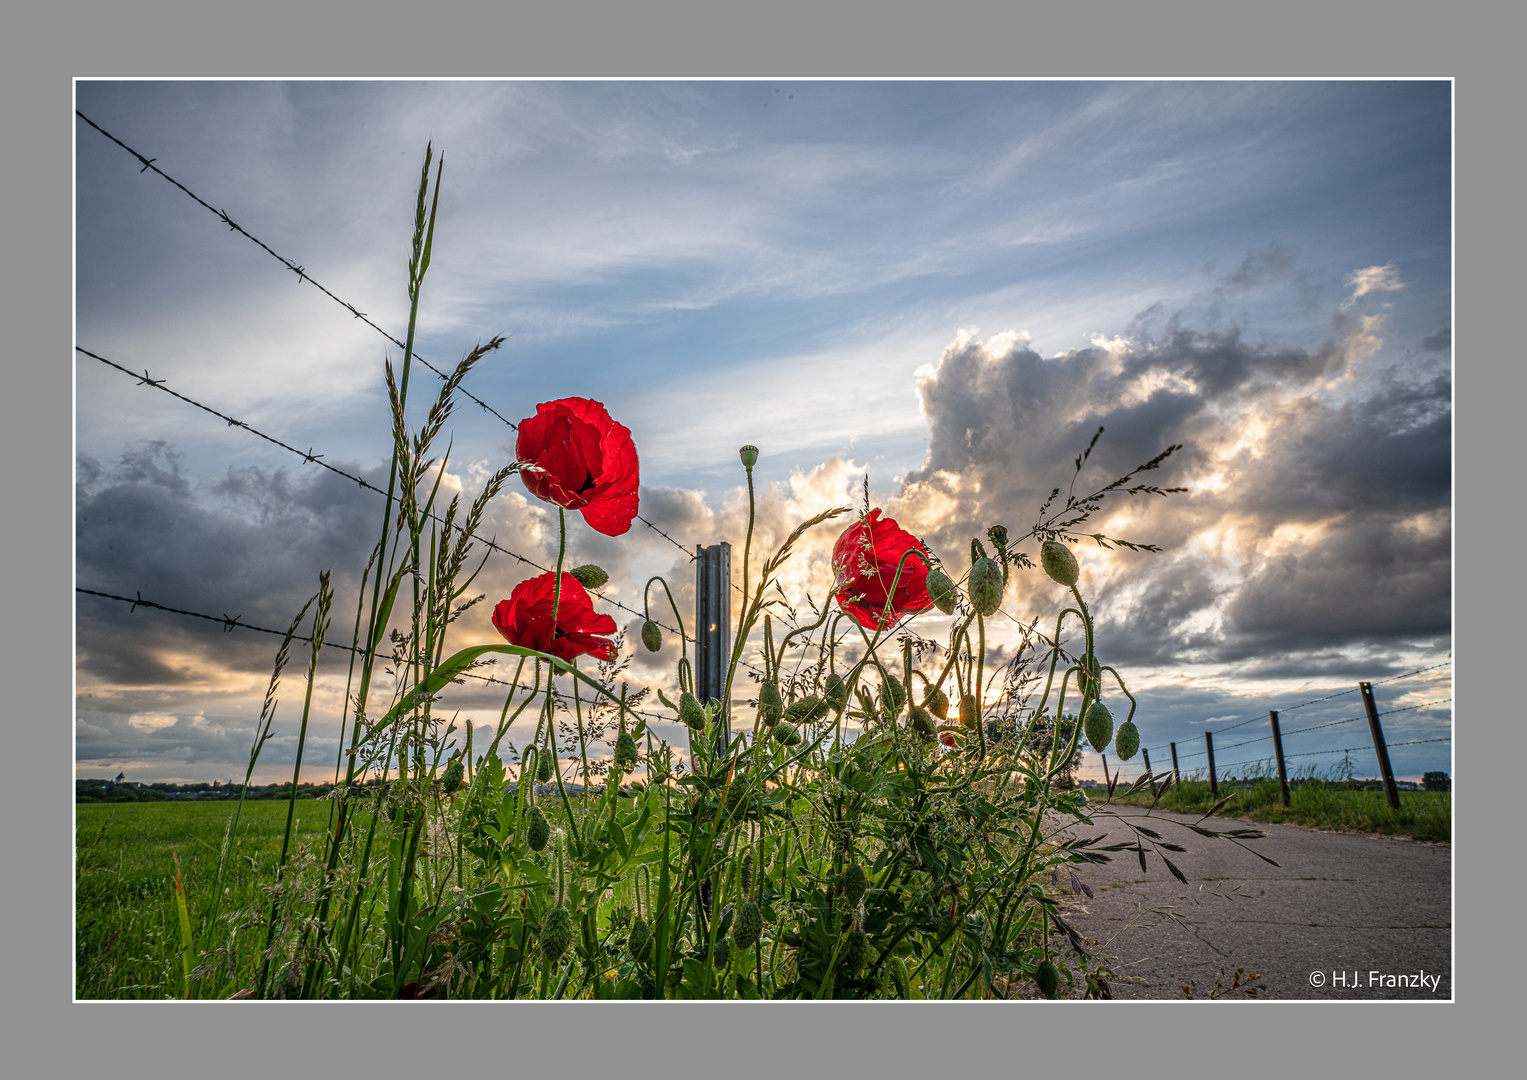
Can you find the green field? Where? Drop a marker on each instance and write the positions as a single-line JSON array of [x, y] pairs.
[[127, 938], [1316, 804]]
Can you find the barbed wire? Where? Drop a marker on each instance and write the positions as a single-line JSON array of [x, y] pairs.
[[231, 623], [1314, 727], [1325, 753], [300, 271], [303, 275], [316, 459]]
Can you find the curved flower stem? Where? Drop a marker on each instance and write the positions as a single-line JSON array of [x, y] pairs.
[[556, 592], [646, 611]]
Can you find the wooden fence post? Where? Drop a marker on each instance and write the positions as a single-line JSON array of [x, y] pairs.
[[1176, 772], [1379, 745], [1213, 780], [713, 631], [1147, 754], [1277, 741]]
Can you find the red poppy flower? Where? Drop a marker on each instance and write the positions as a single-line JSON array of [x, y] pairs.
[[584, 461], [947, 738], [525, 619], [864, 563]]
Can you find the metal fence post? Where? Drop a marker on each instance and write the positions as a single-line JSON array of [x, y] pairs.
[[1277, 742], [1213, 780], [1176, 772], [1379, 745], [713, 630]]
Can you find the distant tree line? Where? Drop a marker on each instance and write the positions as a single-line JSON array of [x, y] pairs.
[[92, 791]]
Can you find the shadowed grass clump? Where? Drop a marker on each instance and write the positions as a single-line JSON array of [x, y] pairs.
[[1317, 804]]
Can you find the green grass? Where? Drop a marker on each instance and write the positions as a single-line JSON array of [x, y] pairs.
[[127, 934], [1317, 804]]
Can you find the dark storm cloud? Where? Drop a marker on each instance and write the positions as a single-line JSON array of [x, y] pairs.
[[1356, 461], [249, 546]]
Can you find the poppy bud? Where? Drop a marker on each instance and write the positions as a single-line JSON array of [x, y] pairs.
[[854, 884], [893, 694], [749, 455], [556, 935], [1127, 741], [856, 951], [922, 722], [745, 876], [748, 926], [639, 939], [937, 702], [652, 637], [1059, 562], [450, 782], [942, 591], [723, 952], [625, 751], [690, 711], [1047, 978], [770, 705], [543, 766], [787, 733], [837, 692], [590, 576], [537, 829], [985, 586], [806, 710], [1099, 726], [970, 713]]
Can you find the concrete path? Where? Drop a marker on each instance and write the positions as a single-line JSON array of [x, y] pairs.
[[1343, 917]]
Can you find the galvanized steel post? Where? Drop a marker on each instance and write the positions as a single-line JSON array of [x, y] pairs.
[[713, 630]]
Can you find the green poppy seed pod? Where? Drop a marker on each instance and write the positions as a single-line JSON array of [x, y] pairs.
[[837, 692], [1059, 563], [1047, 978], [749, 455], [1099, 726], [690, 711], [590, 576], [998, 535], [450, 782], [806, 710], [639, 940], [745, 876], [856, 951], [748, 927], [625, 751], [787, 733], [942, 591], [543, 766], [652, 636], [937, 702], [970, 713], [854, 884], [737, 795], [537, 829], [985, 586], [556, 935], [922, 722], [1127, 741], [771, 707]]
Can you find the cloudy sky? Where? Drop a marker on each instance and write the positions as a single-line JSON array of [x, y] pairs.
[[945, 287]]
